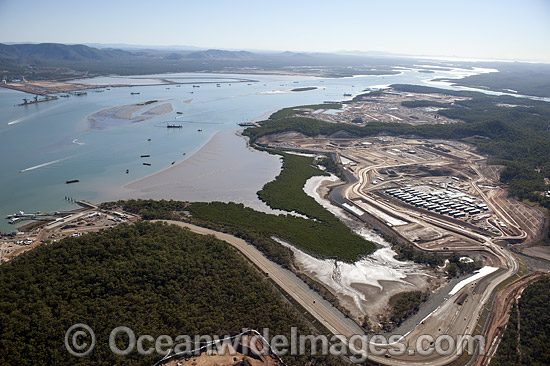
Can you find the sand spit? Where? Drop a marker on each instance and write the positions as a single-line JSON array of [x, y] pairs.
[[125, 114], [159, 110]]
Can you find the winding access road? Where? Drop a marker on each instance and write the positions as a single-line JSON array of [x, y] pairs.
[[330, 317], [450, 318]]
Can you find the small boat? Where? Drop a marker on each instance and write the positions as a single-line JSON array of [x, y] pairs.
[[183, 153], [72, 181], [127, 171], [179, 112], [347, 95], [133, 93], [199, 130], [174, 126], [148, 164], [148, 139], [145, 156], [173, 162]]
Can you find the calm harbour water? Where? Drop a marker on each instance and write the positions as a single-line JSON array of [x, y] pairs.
[[52, 142]]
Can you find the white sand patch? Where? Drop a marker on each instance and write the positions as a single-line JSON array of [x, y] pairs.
[[345, 160], [356, 210], [311, 188], [301, 154], [480, 273], [374, 270], [268, 92], [390, 220]]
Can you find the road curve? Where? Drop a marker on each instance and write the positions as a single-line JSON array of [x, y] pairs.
[[330, 317], [336, 322]]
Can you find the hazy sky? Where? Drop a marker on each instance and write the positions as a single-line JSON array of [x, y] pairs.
[[497, 29]]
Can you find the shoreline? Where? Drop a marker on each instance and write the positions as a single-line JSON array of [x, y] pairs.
[[201, 147], [223, 169], [46, 87]]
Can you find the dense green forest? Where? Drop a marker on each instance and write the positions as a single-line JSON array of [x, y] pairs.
[[320, 239], [526, 340], [288, 112], [405, 305], [152, 277], [179, 210], [516, 135], [258, 228], [286, 191], [455, 267], [321, 234]]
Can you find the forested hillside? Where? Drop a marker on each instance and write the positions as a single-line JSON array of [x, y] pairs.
[[526, 340], [152, 277]]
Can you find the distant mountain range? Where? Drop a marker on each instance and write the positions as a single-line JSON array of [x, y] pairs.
[[27, 53], [24, 53], [56, 52], [54, 61], [61, 61], [222, 55]]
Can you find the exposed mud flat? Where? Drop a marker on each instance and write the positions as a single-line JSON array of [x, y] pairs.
[[366, 286], [125, 114]]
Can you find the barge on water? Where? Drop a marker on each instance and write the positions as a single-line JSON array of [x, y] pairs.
[[36, 100]]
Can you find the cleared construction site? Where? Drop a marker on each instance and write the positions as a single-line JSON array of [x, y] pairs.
[[441, 197], [437, 194]]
